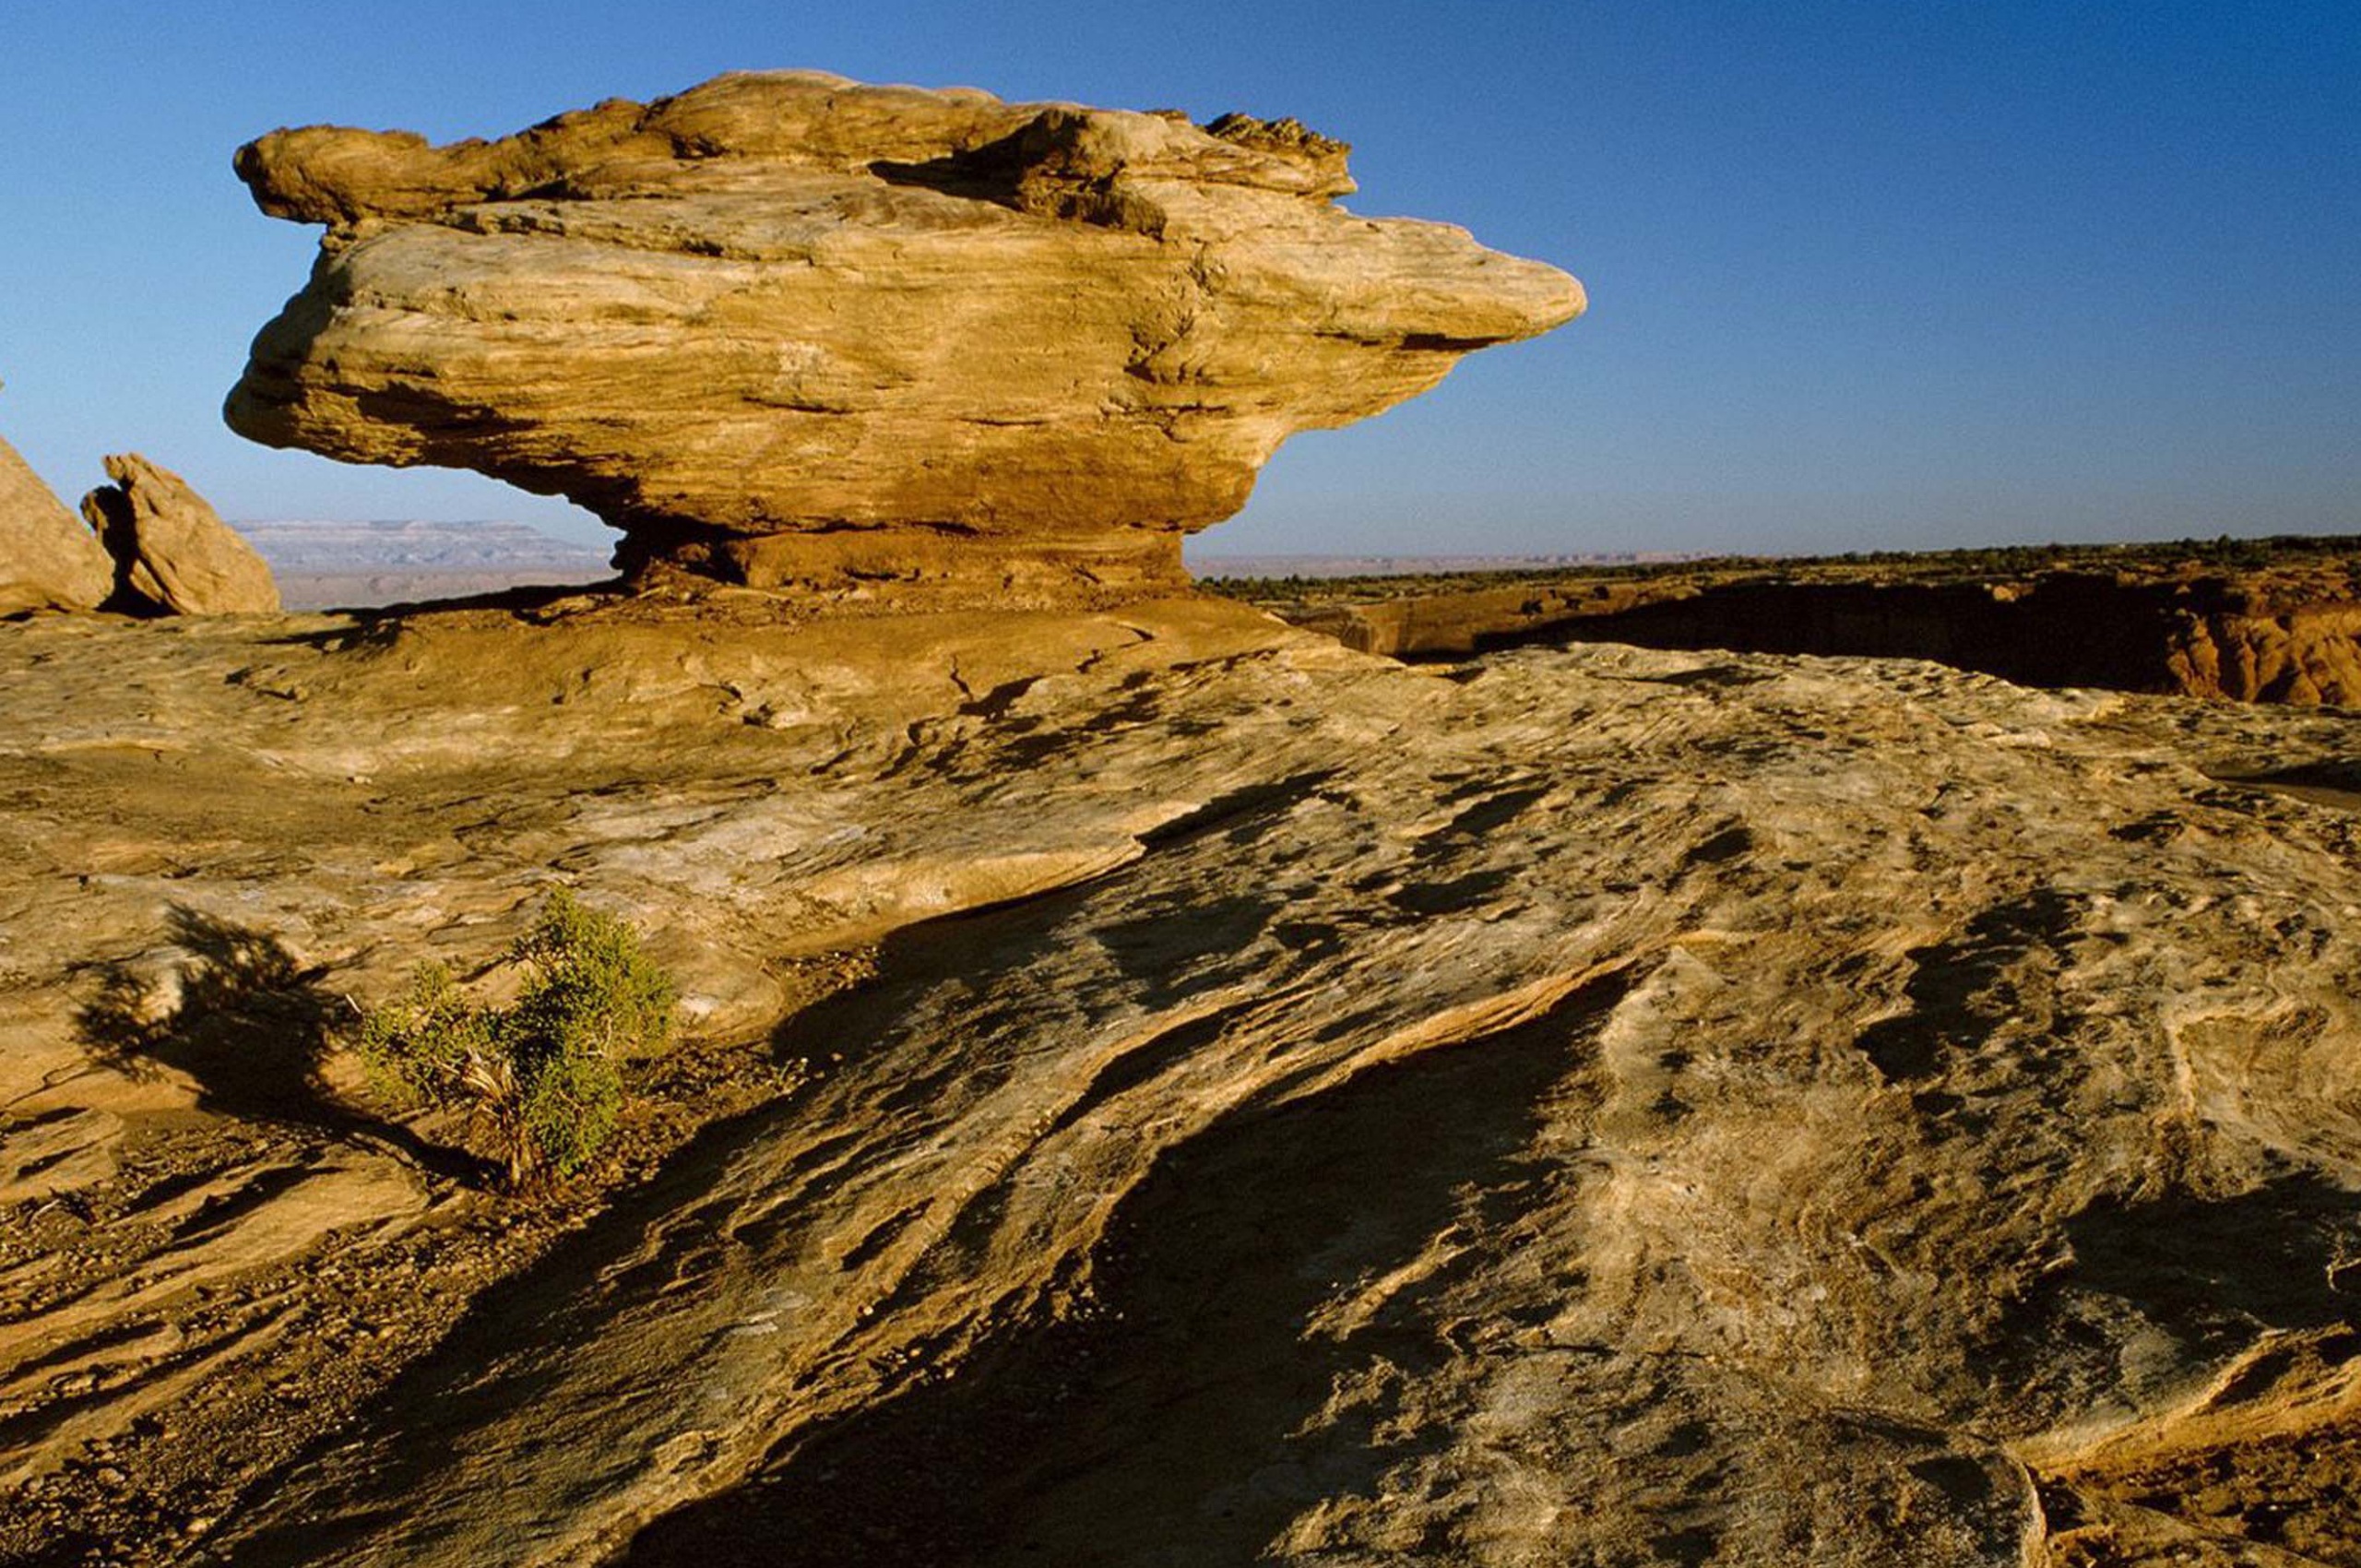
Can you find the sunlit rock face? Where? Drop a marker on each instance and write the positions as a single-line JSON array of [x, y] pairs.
[[174, 554], [785, 328], [48, 559]]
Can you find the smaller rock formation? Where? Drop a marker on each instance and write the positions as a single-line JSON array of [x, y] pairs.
[[48, 560], [173, 555]]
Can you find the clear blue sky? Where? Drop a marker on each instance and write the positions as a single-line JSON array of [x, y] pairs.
[[1879, 273]]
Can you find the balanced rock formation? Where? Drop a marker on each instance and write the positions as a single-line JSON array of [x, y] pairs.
[[48, 560], [786, 329], [173, 555]]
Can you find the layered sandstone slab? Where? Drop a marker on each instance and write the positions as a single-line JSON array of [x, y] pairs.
[[48, 559], [787, 329], [1821, 1111]]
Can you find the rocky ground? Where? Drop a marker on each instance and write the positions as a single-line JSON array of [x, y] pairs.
[[2275, 620], [1582, 1105]]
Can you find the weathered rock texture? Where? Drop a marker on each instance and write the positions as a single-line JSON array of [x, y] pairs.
[[1595, 1106], [173, 555], [48, 559], [787, 328]]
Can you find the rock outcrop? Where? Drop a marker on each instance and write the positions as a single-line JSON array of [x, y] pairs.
[[173, 555], [2278, 632], [786, 329], [48, 559], [1591, 1105]]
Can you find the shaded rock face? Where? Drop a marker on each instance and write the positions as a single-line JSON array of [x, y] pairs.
[[173, 555], [2214, 637], [48, 559], [786, 329], [2292, 637]]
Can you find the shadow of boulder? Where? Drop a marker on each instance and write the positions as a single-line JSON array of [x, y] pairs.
[[237, 1013], [2211, 1271]]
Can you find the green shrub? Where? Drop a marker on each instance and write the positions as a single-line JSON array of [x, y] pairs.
[[545, 1072]]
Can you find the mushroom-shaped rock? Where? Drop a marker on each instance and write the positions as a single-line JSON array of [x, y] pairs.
[[173, 555], [48, 559], [786, 329]]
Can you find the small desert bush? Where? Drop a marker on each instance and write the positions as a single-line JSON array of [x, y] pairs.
[[546, 1071]]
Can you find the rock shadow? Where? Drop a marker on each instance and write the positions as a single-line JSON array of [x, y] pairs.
[[250, 1025], [2287, 1255], [1960, 991], [376, 627], [2062, 629], [2199, 1280], [994, 172], [2328, 782], [1176, 1414]]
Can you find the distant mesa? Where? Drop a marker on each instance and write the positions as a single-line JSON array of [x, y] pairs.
[[892, 345], [365, 565], [419, 545]]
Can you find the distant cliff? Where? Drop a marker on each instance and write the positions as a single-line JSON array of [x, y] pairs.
[[2282, 632]]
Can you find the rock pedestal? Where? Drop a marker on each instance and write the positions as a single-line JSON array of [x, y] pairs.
[[789, 329]]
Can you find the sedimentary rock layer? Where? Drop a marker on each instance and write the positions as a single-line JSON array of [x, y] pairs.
[[789, 328], [1592, 1105], [48, 559], [2289, 635]]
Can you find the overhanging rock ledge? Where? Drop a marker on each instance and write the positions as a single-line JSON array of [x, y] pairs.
[[904, 346]]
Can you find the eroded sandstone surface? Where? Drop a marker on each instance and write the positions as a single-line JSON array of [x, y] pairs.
[[48, 559], [921, 347], [1584, 1105]]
